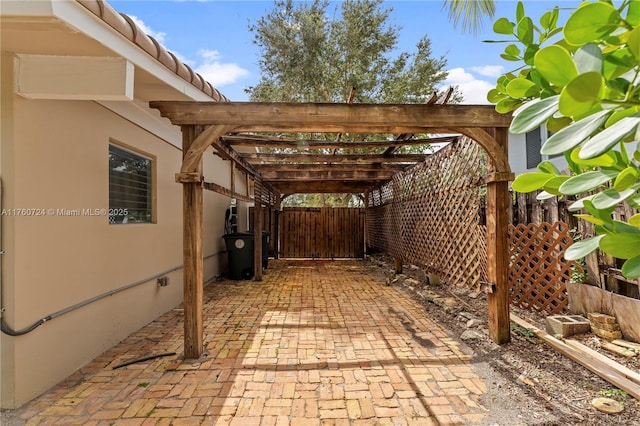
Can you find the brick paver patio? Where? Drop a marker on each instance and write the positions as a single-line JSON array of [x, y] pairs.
[[313, 343]]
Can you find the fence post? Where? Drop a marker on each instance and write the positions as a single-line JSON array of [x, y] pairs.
[[522, 207]]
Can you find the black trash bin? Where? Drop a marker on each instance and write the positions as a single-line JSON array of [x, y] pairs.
[[240, 255]]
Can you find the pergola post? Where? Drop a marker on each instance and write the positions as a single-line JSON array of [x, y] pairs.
[[498, 205], [193, 255], [257, 239], [397, 265]]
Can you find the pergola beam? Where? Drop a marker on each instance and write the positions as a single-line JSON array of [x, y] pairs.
[[331, 158], [324, 187], [326, 175], [273, 142], [331, 118], [356, 167]]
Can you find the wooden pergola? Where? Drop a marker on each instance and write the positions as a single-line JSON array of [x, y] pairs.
[[227, 125]]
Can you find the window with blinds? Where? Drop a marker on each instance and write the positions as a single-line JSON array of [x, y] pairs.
[[533, 145], [130, 186]]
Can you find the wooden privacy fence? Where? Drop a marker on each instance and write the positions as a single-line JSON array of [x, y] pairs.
[[322, 232], [602, 270], [430, 216]]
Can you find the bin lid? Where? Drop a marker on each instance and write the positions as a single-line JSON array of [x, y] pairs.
[[238, 235]]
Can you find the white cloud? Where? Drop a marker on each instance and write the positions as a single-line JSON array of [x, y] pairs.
[[159, 36], [489, 70], [473, 89], [217, 72], [209, 64]]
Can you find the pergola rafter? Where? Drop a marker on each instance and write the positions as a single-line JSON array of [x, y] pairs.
[[225, 125]]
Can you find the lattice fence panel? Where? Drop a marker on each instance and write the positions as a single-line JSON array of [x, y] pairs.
[[537, 270], [429, 215]]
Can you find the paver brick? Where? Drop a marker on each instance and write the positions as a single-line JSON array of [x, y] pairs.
[[313, 343]]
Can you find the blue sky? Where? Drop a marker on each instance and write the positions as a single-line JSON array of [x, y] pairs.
[[213, 38]]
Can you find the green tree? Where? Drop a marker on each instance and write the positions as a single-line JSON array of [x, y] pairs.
[[311, 53], [583, 81]]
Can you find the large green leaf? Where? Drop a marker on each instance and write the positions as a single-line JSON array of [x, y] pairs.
[[503, 26], [579, 205], [587, 181], [634, 42], [608, 159], [631, 268], [590, 22], [621, 245], [522, 88], [590, 219], [548, 167], [581, 94], [633, 13], [533, 113], [604, 140], [635, 220], [574, 134], [627, 178], [544, 195], [512, 50], [556, 65], [507, 105], [495, 96], [524, 31], [580, 249], [552, 186], [528, 182], [549, 19], [588, 58], [618, 63], [519, 11], [619, 114], [610, 197], [624, 227]]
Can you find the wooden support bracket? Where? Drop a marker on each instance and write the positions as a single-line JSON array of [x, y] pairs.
[[194, 177], [488, 287], [499, 177]]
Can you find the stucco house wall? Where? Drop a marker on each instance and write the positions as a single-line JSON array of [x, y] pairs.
[[524, 152], [54, 161]]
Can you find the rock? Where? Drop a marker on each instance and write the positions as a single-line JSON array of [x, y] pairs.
[[525, 380], [607, 405], [465, 316], [473, 295], [472, 323], [470, 335]]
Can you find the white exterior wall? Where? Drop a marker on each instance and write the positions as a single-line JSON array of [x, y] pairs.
[[518, 154]]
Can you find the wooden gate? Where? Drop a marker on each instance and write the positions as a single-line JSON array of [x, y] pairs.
[[322, 232]]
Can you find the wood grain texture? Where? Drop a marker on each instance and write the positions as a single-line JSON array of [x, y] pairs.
[[193, 256], [324, 117]]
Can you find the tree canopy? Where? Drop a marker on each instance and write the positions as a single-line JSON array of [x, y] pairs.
[[309, 53], [321, 51]]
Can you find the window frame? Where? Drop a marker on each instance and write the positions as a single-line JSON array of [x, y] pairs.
[[153, 180]]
